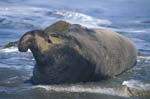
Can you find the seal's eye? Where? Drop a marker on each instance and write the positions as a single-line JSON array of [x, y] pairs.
[[49, 41]]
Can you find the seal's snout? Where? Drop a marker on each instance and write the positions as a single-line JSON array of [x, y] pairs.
[[23, 45], [25, 42]]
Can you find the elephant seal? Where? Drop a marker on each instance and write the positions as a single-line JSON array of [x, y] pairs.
[[70, 53]]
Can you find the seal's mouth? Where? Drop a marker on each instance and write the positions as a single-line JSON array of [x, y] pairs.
[[22, 48]]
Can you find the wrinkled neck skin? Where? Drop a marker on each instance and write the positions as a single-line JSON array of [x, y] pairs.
[[36, 52], [39, 53]]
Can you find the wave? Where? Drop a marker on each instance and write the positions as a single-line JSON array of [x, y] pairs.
[[10, 50], [80, 89], [28, 68], [146, 21], [136, 84], [140, 21], [83, 19], [12, 58], [130, 86], [124, 91], [131, 30], [33, 17], [137, 31], [144, 57]]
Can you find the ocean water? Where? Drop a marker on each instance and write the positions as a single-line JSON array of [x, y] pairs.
[[127, 17]]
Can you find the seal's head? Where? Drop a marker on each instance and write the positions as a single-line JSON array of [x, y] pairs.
[[28, 40]]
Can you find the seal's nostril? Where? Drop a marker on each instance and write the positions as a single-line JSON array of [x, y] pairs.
[[49, 41]]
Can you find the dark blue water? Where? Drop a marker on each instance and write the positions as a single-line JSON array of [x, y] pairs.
[[127, 17]]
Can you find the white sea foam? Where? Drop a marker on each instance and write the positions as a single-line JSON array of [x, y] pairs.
[[9, 50], [82, 18], [146, 58], [76, 88], [34, 16], [137, 85], [137, 31]]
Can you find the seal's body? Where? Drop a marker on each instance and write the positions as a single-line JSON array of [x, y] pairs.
[[77, 54]]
